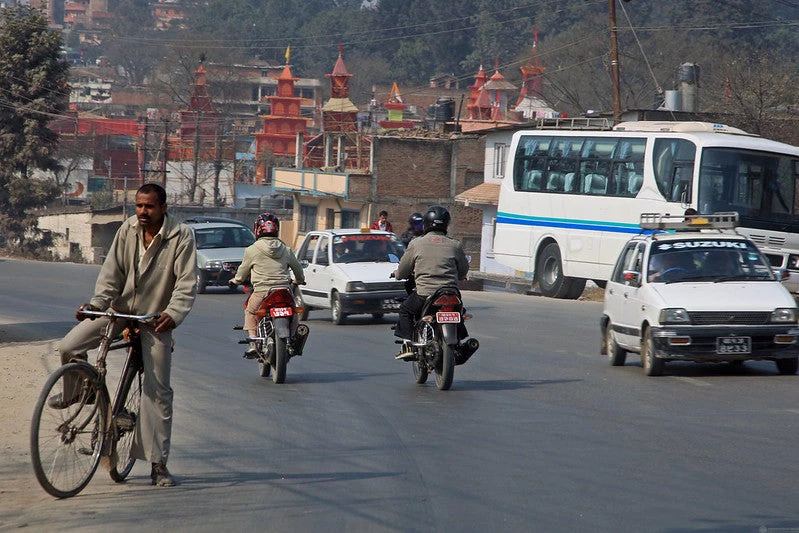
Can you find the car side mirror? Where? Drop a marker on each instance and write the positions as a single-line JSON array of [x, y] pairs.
[[393, 258], [632, 278], [783, 274]]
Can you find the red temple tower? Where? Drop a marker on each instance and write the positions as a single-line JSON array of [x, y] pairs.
[[339, 114], [479, 106], [283, 122]]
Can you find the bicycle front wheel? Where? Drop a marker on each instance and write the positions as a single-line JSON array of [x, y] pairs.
[[66, 443], [125, 415]]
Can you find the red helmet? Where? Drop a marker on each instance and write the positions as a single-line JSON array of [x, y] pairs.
[[265, 225]]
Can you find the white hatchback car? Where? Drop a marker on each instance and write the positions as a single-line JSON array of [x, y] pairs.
[[697, 291], [347, 271]]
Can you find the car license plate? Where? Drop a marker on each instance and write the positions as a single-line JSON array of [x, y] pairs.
[[390, 303], [280, 312], [733, 345], [448, 317]]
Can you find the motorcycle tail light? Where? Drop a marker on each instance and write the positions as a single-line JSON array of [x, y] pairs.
[[447, 299], [276, 298]]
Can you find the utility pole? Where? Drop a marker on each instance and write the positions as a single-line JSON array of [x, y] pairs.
[[144, 170], [614, 62], [165, 155], [193, 185]]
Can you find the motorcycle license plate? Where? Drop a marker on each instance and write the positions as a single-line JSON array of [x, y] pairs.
[[448, 317], [277, 312], [733, 345]]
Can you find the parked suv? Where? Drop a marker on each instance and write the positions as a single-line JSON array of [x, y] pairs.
[[692, 289], [347, 271], [220, 250]]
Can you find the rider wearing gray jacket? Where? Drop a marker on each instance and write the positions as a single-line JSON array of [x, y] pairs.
[[433, 260], [267, 263]]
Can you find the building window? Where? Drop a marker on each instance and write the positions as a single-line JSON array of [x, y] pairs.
[[500, 156], [307, 218], [350, 219]]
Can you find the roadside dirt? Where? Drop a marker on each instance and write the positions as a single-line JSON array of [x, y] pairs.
[[25, 367]]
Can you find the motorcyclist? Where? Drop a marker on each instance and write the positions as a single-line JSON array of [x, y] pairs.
[[266, 262], [433, 261], [415, 228]]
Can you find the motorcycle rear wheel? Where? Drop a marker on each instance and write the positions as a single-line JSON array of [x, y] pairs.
[[280, 360], [445, 371], [419, 372], [264, 369]]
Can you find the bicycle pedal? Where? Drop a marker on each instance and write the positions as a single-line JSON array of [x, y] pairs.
[[238, 328]]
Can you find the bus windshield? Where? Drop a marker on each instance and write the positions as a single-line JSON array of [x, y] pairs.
[[759, 186]]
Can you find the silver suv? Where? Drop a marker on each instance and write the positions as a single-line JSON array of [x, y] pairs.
[[220, 250]]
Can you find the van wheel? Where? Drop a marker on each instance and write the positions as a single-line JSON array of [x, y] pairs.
[[335, 310], [616, 355], [652, 365], [201, 282]]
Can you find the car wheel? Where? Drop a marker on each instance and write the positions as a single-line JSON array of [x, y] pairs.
[[335, 310], [652, 365], [201, 282], [787, 367], [616, 355]]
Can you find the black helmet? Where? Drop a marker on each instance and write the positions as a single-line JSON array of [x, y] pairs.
[[436, 219], [266, 225], [416, 221]]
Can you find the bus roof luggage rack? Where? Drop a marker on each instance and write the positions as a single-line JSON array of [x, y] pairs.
[[678, 127], [665, 221], [575, 123]]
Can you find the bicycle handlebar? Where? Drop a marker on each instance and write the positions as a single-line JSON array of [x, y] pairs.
[[114, 314]]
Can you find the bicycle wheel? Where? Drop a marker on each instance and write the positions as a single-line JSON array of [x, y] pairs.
[[127, 406], [66, 444]]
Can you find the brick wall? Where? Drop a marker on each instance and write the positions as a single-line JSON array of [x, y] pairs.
[[414, 173]]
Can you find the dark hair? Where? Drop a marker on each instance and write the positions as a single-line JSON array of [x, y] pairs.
[[383, 213], [149, 188]]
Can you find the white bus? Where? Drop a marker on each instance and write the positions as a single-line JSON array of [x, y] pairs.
[[570, 199]]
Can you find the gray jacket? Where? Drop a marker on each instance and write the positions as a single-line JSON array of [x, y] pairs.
[[166, 283], [267, 262], [434, 260]]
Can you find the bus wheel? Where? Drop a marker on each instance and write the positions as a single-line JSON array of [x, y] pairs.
[[549, 271]]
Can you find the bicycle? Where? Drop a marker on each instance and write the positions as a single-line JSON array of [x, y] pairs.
[[68, 444]]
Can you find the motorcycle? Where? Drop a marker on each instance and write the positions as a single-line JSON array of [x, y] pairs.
[[439, 342], [279, 335]]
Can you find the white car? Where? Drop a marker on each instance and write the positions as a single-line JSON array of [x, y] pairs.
[[220, 251], [347, 271], [691, 294]]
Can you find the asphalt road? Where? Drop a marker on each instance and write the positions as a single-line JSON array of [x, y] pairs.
[[538, 433]]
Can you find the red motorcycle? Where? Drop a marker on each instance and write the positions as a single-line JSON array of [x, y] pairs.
[[279, 335]]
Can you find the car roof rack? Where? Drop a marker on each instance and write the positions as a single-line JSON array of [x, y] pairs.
[[665, 221]]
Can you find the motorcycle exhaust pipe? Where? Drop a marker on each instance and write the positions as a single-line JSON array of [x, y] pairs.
[[467, 349], [298, 342]]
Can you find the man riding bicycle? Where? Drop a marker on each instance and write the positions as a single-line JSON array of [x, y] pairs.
[[150, 268]]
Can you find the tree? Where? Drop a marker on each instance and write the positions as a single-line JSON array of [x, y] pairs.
[[33, 89]]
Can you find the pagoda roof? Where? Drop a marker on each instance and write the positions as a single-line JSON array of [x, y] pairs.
[[339, 105]]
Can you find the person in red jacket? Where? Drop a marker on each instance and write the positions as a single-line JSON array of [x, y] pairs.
[[382, 222]]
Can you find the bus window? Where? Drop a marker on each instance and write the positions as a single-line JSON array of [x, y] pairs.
[[531, 163], [673, 166]]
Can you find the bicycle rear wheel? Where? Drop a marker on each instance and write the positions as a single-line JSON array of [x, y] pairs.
[[125, 415], [66, 444]]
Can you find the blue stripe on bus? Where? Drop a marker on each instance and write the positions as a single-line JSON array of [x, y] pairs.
[[591, 225]]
